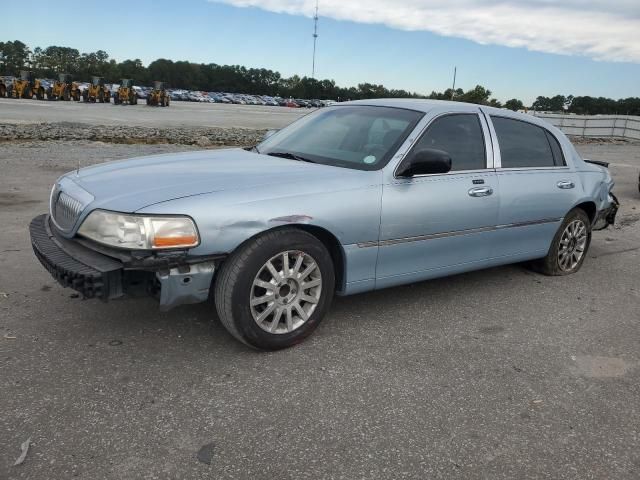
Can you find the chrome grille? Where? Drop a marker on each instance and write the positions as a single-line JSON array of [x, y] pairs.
[[65, 210]]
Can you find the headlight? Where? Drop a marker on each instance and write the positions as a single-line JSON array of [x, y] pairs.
[[138, 231]]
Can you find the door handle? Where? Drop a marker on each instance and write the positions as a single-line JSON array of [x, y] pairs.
[[564, 184], [480, 191]]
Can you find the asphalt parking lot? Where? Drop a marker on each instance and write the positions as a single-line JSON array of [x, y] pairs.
[[178, 114], [501, 373]]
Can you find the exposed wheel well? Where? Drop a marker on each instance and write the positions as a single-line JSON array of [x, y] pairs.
[[589, 208], [328, 240], [333, 245]]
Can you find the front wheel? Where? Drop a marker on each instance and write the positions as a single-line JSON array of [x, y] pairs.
[[569, 247], [274, 290]]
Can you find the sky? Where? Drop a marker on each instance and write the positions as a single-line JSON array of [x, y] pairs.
[[516, 48]]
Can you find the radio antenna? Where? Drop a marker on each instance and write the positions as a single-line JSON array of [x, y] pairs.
[[315, 39]]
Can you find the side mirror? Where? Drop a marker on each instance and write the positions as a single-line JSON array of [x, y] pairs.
[[424, 162], [269, 133]]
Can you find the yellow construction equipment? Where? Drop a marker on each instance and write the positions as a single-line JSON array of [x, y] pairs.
[[26, 87], [64, 89], [159, 95], [126, 93], [97, 91]]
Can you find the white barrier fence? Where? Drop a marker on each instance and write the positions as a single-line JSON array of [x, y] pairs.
[[616, 126]]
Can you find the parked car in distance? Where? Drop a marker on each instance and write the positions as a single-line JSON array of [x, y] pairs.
[[358, 196]]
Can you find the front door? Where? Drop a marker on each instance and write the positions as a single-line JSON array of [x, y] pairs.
[[434, 225]]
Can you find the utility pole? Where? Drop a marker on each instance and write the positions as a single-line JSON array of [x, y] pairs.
[[453, 88], [315, 39]]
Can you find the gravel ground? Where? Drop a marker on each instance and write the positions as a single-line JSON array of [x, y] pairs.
[[496, 374], [74, 132]]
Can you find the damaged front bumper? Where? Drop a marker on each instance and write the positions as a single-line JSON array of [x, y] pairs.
[[97, 272], [607, 216]]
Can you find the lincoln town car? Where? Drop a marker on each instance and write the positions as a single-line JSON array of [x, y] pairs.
[[355, 197]]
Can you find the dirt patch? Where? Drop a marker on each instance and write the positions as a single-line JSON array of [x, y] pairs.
[[599, 367], [628, 219], [15, 200]]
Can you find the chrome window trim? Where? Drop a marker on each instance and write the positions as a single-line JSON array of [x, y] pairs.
[[478, 171], [487, 147], [527, 169], [456, 233]]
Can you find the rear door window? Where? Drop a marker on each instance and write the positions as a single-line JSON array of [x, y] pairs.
[[523, 145]]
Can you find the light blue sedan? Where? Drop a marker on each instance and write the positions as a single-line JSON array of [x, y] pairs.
[[355, 197]]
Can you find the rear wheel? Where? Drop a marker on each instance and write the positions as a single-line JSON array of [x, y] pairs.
[[569, 247], [273, 291]]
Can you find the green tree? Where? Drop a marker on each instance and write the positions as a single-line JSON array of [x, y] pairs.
[[514, 104], [478, 94], [14, 56], [53, 60]]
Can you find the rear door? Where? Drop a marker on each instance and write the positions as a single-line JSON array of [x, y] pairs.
[[537, 187], [432, 225]]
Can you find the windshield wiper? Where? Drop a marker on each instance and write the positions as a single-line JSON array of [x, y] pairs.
[[290, 156]]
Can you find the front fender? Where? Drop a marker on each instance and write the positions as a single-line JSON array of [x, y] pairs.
[[226, 219]]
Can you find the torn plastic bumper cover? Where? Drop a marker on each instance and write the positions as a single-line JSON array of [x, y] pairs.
[[93, 274], [607, 216]]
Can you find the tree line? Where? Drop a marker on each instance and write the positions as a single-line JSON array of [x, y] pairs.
[[48, 62]]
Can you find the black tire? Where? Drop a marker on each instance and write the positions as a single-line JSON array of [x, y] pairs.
[[234, 281], [550, 265], [66, 96]]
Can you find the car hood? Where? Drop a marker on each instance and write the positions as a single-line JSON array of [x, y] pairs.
[[130, 185]]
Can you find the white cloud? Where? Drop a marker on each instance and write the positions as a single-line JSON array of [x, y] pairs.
[[600, 29]]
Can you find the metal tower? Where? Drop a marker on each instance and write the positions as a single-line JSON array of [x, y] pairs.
[[315, 39]]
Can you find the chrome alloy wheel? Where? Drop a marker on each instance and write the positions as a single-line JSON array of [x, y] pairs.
[[285, 292], [573, 243]]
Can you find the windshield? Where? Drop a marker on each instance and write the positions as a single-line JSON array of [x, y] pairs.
[[351, 136]]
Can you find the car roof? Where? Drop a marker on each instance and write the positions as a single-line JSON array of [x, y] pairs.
[[428, 105]]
